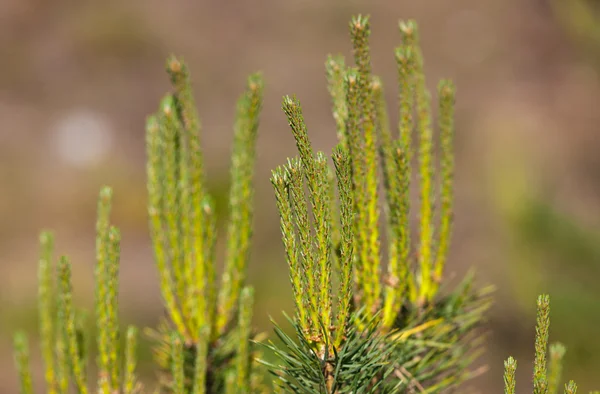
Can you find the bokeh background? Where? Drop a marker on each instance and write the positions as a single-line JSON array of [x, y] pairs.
[[77, 80]]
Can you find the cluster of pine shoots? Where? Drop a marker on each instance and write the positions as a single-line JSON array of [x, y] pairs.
[[370, 314]]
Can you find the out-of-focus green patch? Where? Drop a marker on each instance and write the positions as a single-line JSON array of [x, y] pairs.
[[581, 21], [564, 256]]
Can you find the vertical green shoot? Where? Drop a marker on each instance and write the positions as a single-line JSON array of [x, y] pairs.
[[317, 259], [155, 174], [510, 368], [406, 68], [177, 367], [107, 283], [369, 214], [200, 364], [62, 357], [301, 219], [355, 152], [425, 132], [22, 362], [46, 308], [112, 281], [192, 186], [280, 179], [241, 198], [540, 381], [393, 196], [193, 304], [67, 316], [131, 384], [102, 284], [557, 352], [446, 92], [171, 126], [210, 225], [403, 156], [342, 162], [315, 171], [335, 70], [244, 357], [322, 220]]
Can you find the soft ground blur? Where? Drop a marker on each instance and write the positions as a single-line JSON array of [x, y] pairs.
[[78, 78]]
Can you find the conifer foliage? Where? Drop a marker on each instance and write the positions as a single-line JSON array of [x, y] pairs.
[[388, 311], [204, 345], [370, 316]]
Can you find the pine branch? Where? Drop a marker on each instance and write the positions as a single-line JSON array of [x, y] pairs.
[[448, 342], [317, 260], [184, 233]]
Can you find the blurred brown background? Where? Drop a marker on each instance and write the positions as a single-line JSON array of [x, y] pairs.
[[77, 80]]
